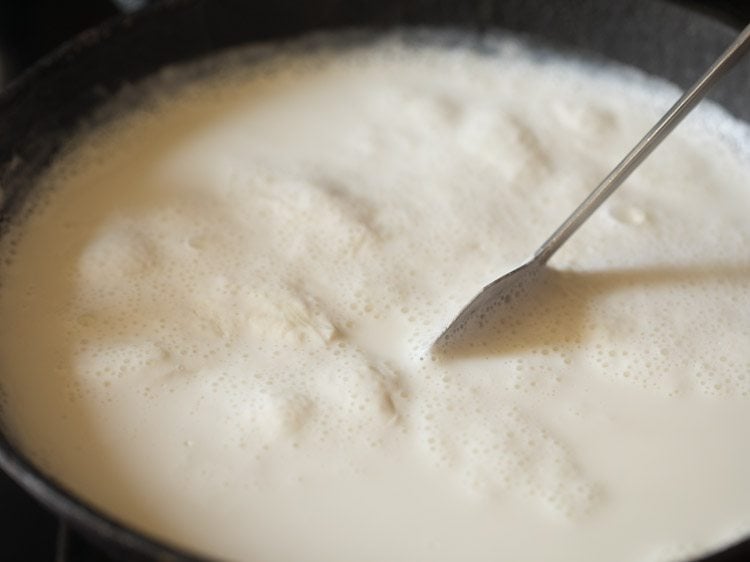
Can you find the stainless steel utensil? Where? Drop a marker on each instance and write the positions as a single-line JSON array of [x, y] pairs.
[[511, 288]]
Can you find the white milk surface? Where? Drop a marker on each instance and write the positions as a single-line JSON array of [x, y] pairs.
[[216, 320]]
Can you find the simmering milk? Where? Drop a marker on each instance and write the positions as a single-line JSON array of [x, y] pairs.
[[217, 313]]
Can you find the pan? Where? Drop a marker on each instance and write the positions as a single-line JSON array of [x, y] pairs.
[[40, 109]]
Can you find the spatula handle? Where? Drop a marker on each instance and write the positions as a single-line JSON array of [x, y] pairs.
[[653, 138]]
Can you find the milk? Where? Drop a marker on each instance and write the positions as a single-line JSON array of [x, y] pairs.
[[217, 314]]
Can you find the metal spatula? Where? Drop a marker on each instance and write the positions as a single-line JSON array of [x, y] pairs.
[[520, 283]]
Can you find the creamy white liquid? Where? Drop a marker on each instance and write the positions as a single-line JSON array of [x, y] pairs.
[[216, 321]]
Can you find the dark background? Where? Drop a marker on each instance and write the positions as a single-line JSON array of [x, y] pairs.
[[28, 30]]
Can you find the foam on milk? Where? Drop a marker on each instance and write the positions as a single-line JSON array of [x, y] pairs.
[[236, 287]]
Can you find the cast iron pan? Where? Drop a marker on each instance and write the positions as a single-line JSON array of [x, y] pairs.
[[38, 112]]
